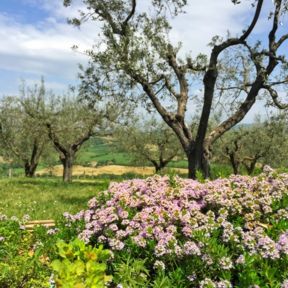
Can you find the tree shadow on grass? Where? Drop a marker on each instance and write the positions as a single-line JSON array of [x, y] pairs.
[[74, 200], [58, 183]]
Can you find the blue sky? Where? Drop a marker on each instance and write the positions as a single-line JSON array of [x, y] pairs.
[[36, 39], [25, 12]]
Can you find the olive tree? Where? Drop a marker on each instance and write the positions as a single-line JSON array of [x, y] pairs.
[[23, 139], [135, 46], [69, 125], [69, 122], [149, 142], [259, 143]]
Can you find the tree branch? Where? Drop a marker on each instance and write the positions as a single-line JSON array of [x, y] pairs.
[[170, 88], [182, 97], [254, 21], [281, 40], [274, 95], [240, 113], [55, 140], [198, 68], [132, 12], [272, 34], [75, 146]]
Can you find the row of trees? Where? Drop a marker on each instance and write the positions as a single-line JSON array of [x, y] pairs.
[[37, 121], [134, 61], [244, 147]]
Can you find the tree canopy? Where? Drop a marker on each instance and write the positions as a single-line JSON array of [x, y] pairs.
[[23, 138], [135, 48]]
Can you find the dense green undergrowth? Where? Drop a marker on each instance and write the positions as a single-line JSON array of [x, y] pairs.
[[158, 232]]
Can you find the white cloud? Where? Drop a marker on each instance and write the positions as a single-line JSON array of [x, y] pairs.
[[205, 19], [57, 9], [44, 48]]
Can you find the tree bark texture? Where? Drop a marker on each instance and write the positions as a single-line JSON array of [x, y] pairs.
[[198, 161], [67, 162], [31, 165], [30, 169]]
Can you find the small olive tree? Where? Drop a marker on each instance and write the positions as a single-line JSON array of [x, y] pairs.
[[23, 139], [259, 143], [69, 122], [69, 125], [150, 142]]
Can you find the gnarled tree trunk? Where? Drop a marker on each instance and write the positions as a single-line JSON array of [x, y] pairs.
[[67, 162], [67, 152], [198, 160], [31, 165], [234, 163], [159, 166], [30, 169]]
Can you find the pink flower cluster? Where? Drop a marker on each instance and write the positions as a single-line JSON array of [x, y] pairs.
[[145, 210], [170, 215]]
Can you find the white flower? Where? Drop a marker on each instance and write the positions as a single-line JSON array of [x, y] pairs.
[[159, 265]]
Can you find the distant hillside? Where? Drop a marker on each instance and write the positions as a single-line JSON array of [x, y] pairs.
[[103, 151]]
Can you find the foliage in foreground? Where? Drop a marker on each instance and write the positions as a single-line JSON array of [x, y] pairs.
[[163, 232], [24, 258], [223, 233], [80, 265]]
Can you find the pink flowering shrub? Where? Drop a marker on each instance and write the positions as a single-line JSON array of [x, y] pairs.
[[223, 233]]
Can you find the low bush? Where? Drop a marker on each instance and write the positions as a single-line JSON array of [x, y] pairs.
[[25, 256], [162, 232], [23, 262], [80, 265], [224, 233]]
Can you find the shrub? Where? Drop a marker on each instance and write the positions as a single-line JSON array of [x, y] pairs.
[[25, 256], [223, 233], [22, 261], [80, 265], [131, 273]]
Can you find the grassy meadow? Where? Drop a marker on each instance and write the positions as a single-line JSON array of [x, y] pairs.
[[103, 151], [49, 197], [46, 198]]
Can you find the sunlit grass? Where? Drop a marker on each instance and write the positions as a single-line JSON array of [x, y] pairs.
[[46, 198]]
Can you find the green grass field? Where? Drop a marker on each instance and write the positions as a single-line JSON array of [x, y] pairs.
[[49, 198], [100, 151], [46, 198], [105, 152]]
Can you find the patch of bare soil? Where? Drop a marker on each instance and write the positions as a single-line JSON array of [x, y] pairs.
[[4, 161], [109, 169]]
